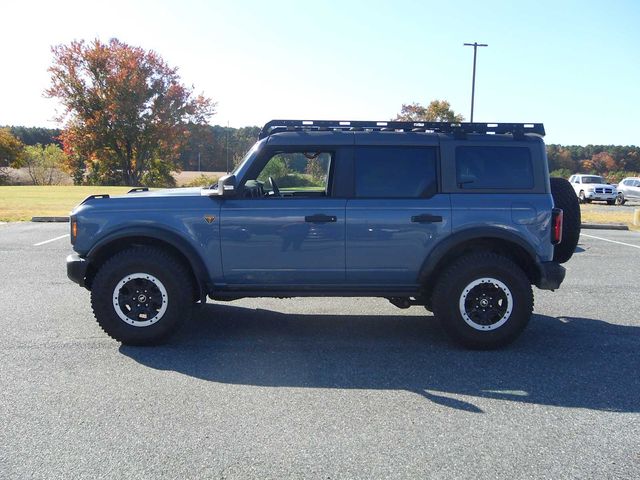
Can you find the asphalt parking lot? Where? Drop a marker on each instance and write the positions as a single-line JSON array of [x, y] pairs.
[[319, 388]]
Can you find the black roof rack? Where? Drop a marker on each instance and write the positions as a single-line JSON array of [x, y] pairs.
[[91, 197], [516, 129]]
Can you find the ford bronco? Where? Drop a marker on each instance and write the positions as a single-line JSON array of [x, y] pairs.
[[459, 218]]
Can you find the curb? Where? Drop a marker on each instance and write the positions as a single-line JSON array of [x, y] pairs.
[[50, 219], [604, 226]]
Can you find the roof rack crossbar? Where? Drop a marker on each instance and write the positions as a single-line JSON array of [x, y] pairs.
[[458, 128]]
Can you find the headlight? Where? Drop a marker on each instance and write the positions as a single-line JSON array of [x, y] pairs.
[[591, 190]]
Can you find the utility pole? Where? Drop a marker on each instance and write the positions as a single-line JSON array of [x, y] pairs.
[[228, 146], [475, 46]]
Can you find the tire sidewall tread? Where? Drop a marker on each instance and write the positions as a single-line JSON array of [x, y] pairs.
[[564, 197], [458, 275], [158, 263]]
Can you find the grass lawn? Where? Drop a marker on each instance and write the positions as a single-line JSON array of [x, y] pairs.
[[593, 213], [20, 203]]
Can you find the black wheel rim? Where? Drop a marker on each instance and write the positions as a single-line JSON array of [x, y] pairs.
[[486, 304], [140, 299]]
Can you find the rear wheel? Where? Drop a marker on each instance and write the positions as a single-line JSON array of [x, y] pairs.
[[565, 198], [483, 301], [141, 296]]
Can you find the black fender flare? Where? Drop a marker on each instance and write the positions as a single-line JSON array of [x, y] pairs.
[[161, 235], [461, 237]]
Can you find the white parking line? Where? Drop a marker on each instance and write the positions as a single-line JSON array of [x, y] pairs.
[[51, 240], [607, 240]]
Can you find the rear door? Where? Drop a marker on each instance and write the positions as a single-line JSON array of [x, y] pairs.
[[396, 214]]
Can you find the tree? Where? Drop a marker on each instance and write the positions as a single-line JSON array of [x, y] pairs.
[[33, 135], [125, 110], [600, 163], [44, 163], [437, 111], [11, 151]]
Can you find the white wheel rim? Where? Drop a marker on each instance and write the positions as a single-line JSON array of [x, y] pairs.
[[123, 307], [501, 290]]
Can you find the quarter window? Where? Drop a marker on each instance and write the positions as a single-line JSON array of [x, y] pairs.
[[504, 168], [395, 172]]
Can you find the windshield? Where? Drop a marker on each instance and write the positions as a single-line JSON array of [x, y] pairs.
[[593, 179], [241, 166]]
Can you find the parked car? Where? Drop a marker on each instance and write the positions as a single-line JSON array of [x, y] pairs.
[[459, 218], [628, 189], [593, 187]]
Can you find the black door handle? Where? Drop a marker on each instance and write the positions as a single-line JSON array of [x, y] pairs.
[[320, 218], [426, 218]]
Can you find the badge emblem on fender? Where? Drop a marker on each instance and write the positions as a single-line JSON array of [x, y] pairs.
[[209, 218]]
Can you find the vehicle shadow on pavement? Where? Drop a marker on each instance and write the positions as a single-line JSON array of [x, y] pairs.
[[566, 362]]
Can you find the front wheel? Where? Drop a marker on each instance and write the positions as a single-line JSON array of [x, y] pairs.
[[620, 200], [483, 301], [140, 296]]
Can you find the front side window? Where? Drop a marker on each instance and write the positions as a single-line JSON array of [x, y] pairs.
[[395, 172], [500, 168], [288, 174]]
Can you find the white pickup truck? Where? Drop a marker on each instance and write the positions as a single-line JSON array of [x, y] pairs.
[[593, 187]]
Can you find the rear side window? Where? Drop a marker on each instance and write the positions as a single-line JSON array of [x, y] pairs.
[[395, 172], [503, 168]]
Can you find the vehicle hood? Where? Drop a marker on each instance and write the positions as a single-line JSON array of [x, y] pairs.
[[164, 192]]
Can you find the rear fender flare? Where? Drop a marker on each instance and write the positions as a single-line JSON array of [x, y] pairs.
[[456, 240]]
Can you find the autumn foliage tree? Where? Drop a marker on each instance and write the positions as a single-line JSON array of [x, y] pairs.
[[436, 111], [125, 111], [11, 151]]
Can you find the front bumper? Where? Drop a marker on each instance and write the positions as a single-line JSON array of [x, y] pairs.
[[600, 196], [551, 275], [77, 268]]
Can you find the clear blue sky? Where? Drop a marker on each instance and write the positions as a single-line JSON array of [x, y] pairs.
[[573, 65]]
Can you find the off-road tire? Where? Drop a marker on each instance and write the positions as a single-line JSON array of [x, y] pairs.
[[173, 278], [453, 286], [565, 198]]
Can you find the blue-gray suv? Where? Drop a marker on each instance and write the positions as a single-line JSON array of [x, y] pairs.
[[459, 218]]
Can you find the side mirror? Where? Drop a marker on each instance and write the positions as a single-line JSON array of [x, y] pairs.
[[227, 186]]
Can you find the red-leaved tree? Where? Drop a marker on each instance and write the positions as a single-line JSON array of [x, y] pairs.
[[125, 111]]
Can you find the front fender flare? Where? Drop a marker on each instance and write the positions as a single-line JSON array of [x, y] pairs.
[[162, 235]]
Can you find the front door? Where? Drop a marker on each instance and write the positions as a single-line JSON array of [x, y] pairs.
[[287, 230]]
